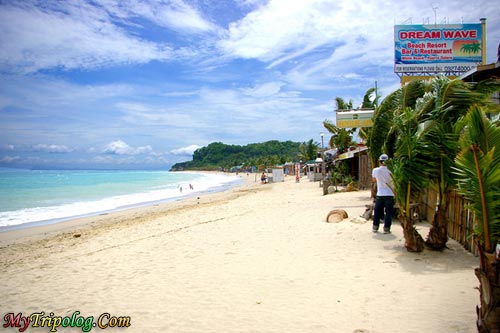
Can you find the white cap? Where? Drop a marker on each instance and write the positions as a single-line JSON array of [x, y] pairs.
[[383, 157]]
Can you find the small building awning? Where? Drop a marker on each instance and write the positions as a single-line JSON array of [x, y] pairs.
[[351, 153], [481, 72]]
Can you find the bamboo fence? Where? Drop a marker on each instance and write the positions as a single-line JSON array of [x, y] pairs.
[[460, 219]]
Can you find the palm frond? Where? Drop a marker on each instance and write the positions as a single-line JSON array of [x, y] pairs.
[[487, 87], [343, 105], [478, 169], [411, 92], [341, 137], [308, 150], [329, 126], [368, 103], [381, 138], [444, 145], [413, 161]]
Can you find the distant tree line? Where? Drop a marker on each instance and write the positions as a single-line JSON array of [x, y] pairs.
[[218, 155]]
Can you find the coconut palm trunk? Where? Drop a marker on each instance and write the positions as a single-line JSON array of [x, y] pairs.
[[413, 240], [488, 312], [438, 233]]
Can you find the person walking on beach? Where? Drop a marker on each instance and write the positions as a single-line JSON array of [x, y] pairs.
[[263, 178], [384, 202]]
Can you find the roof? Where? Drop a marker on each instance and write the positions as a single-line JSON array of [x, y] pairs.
[[482, 72], [351, 153]]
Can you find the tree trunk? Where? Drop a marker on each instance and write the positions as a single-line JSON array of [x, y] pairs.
[[438, 233], [488, 313], [413, 240], [326, 184]]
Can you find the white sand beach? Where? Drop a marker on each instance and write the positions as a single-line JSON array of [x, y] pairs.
[[256, 258]]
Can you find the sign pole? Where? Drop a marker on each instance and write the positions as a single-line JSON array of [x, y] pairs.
[[483, 40]]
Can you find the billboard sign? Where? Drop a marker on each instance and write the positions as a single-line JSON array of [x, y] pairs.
[[437, 48], [352, 119]]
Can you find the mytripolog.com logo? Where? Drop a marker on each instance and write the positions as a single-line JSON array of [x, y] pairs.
[[53, 322]]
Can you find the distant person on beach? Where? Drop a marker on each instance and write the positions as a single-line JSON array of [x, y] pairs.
[[263, 178], [384, 202]]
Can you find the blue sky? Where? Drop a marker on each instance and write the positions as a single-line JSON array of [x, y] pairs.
[[141, 84]]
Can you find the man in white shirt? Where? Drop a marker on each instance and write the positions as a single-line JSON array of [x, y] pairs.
[[384, 203]]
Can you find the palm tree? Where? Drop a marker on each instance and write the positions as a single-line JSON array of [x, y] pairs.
[[478, 173], [341, 137], [438, 104], [343, 105], [410, 170], [369, 102], [381, 138], [440, 108], [471, 48], [308, 150], [395, 130]]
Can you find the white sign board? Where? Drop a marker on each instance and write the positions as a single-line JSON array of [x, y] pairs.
[[278, 175]]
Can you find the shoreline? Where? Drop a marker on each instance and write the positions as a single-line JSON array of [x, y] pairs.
[[256, 258], [40, 230], [52, 224]]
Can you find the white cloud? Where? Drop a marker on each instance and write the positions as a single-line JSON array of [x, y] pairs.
[[50, 94], [287, 29], [280, 28], [34, 39], [264, 90], [142, 114], [250, 3], [189, 150], [214, 113], [90, 35], [120, 147], [272, 74], [9, 159], [52, 148], [7, 147], [174, 14], [316, 43]]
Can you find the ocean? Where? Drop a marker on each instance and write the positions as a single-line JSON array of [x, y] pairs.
[[38, 197]]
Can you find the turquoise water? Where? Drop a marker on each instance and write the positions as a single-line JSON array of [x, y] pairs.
[[28, 196]]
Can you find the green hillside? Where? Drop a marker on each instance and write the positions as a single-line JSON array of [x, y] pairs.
[[219, 155]]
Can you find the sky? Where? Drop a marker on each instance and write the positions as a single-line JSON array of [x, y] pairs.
[[141, 84]]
